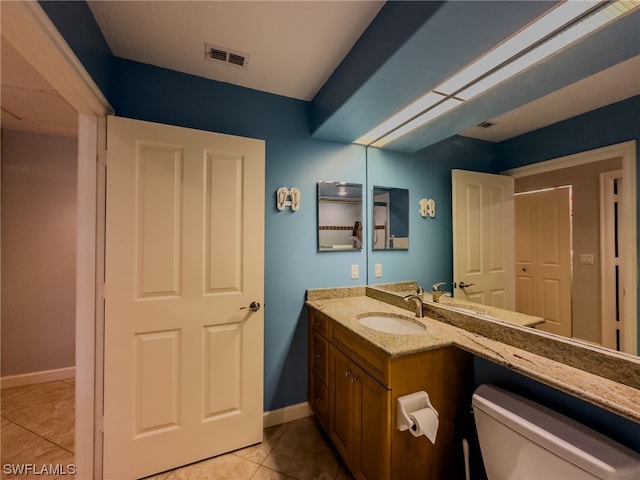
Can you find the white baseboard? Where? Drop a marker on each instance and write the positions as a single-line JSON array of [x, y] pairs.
[[286, 414], [37, 377]]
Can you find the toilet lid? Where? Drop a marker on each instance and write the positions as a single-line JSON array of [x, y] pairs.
[[585, 448]]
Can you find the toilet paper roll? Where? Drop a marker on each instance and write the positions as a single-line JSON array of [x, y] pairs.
[[425, 422]]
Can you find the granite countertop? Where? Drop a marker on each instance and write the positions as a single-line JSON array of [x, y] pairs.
[[497, 313], [517, 318], [346, 306]]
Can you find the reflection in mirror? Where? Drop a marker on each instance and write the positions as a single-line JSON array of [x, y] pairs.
[[390, 218], [569, 267], [339, 216]]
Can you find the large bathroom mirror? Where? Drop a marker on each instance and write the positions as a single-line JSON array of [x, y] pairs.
[[556, 119], [339, 216], [390, 218], [616, 165]]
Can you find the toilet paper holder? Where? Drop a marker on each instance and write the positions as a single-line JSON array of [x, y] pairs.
[[408, 404]]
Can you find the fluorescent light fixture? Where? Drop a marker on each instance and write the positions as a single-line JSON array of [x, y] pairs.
[[544, 26], [550, 47], [404, 115], [426, 117], [477, 77]]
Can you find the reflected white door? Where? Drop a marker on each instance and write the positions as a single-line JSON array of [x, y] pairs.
[[543, 258], [184, 253], [483, 238], [380, 226]]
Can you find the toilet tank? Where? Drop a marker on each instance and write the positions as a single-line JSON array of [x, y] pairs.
[[520, 439]]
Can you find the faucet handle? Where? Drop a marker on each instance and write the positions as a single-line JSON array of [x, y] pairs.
[[436, 287], [419, 290]]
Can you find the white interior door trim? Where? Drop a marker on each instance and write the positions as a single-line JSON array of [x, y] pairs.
[[608, 260], [626, 151], [30, 31], [34, 36]]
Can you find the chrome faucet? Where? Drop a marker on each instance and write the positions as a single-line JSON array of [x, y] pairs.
[[417, 299], [437, 294]]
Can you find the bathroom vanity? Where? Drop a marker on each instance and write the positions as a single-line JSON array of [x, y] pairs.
[[356, 373], [354, 384]]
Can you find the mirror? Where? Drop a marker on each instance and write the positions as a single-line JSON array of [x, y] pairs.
[[390, 218], [505, 145], [437, 234], [339, 216], [597, 249]]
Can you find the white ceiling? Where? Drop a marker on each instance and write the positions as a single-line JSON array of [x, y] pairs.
[[294, 47], [617, 83]]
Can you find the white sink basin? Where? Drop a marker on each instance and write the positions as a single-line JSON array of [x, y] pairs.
[[392, 324], [472, 311]]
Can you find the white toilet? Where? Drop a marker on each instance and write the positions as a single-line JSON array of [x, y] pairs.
[[520, 439]]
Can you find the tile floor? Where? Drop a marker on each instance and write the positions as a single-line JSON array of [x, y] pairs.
[[296, 450], [37, 428]]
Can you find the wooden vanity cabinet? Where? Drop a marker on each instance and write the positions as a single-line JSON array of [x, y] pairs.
[[359, 417], [353, 390], [318, 361]]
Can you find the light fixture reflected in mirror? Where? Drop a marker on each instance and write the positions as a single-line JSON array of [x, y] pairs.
[[561, 26]]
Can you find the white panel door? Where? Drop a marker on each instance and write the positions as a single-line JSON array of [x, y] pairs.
[[483, 238], [184, 254], [543, 258]]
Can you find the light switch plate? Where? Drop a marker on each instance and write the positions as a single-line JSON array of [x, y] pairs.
[[355, 271], [586, 258], [378, 270]]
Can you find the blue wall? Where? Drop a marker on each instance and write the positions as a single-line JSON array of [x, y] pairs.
[[293, 158]]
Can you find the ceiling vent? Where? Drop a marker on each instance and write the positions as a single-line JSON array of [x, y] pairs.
[[225, 55], [486, 124]]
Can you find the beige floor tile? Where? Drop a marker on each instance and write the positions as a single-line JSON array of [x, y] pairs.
[[70, 381], [264, 473], [304, 453], [159, 476], [224, 467], [38, 428], [21, 447], [47, 409], [344, 474], [258, 453]]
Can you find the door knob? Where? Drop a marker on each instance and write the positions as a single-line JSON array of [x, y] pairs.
[[253, 306], [465, 285]]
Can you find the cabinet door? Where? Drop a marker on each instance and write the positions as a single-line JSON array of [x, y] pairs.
[[319, 400], [344, 407], [319, 359], [375, 409]]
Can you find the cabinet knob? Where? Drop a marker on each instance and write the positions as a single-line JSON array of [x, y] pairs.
[[354, 379], [347, 373], [318, 356]]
